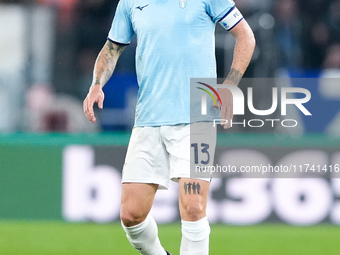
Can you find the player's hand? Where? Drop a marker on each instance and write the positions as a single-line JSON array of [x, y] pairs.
[[95, 95], [226, 107]]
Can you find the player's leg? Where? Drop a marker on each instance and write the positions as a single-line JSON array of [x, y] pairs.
[[193, 197], [142, 175], [141, 229], [136, 202], [193, 191]]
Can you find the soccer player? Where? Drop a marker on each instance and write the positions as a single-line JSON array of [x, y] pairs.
[[175, 42]]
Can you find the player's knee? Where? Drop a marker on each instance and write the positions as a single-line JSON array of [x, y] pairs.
[[193, 211], [131, 217]]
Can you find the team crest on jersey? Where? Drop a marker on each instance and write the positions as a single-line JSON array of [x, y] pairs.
[[183, 3]]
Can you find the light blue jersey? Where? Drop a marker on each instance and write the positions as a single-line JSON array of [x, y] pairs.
[[175, 42]]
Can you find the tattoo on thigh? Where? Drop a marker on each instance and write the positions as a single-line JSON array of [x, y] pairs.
[[192, 188]]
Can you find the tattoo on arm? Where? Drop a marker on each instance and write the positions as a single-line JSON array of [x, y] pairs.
[[192, 188], [106, 63], [234, 76]]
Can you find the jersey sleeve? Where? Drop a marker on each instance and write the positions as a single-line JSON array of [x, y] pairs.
[[121, 29], [224, 12]]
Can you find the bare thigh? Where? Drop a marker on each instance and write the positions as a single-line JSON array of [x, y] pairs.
[[136, 202]]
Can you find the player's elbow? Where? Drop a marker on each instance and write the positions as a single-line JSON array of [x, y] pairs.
[[249, 39], [244, 36]]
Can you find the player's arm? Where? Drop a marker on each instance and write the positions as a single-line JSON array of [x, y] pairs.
[[103, 70], [243, 52]]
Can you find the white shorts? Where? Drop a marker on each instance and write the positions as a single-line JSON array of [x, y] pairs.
[[160, 154]]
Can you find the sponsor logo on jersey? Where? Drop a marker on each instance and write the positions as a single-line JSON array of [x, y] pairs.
[[141, 7]]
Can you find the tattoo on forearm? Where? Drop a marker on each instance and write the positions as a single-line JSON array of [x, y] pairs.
[[106, 62], [234, 76], [192, 188]]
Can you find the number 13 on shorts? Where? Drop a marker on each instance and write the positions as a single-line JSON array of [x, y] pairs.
[[202, 148]]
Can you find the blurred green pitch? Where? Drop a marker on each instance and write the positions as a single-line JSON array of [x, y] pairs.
[[52, 238]]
